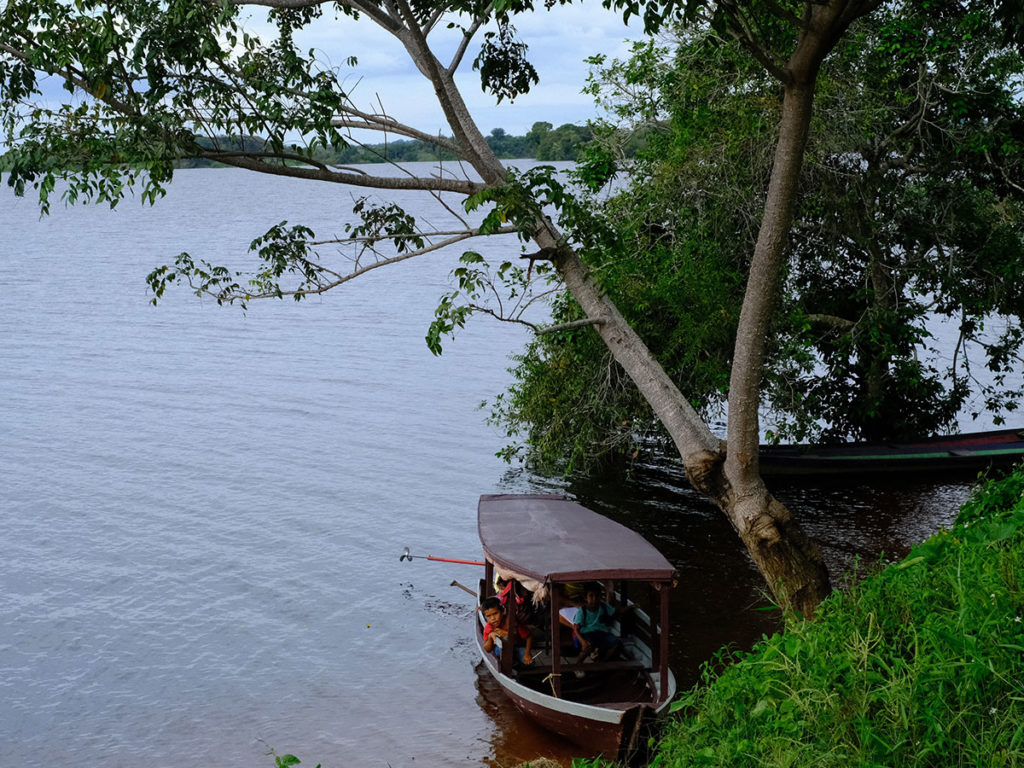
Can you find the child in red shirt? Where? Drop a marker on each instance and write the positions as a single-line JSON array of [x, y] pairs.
[[497, 627]]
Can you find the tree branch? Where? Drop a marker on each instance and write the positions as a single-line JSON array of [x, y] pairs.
[[538, 330], [274, 3], [498, 316], [742, 33], [435, 17], [385, 124], [78, 80], [381, 19], [831, 322], [221, 154], [465, 129], [462, 187], [463, 234], [858, 9], [230, 296], [1002, 172], [467, 37], [587, 321], [370, 121], [785, 14]]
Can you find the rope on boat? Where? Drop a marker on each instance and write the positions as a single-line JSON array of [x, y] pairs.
[[550, 679]]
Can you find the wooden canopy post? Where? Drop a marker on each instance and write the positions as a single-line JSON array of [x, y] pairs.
[[627, 622], [488, 586], [556, 641], [663, 638], [508, 644], [654, 588]]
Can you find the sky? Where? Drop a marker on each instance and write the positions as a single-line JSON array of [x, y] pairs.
[[559, 41]]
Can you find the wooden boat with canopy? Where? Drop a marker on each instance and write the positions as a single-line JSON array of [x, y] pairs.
[[546, 546]]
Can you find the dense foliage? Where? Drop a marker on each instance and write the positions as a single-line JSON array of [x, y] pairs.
[[673, 266], [911, 212], [919, 664]]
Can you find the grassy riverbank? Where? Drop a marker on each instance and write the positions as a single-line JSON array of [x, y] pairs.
[[919, 664]]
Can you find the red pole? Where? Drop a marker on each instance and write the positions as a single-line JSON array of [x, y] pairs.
[[450, 560]]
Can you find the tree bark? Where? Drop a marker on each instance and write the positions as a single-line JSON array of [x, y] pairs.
[[790, 562]]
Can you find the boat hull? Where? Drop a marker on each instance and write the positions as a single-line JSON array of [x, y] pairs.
[[611, 731], [598, 730], [957, 455]]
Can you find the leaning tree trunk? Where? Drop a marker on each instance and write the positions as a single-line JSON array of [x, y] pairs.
[[786, 557], [790, 561]]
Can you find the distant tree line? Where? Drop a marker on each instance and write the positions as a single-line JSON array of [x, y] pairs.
[[542, 142]]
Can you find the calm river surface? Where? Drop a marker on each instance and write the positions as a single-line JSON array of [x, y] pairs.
[[201, 510]]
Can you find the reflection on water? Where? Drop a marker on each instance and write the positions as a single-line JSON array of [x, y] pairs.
[[516, 738]]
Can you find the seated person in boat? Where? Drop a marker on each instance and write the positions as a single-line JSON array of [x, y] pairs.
[[497, 628], [593, 623], [571, 598]]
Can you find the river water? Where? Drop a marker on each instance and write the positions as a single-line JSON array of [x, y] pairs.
[[202, 510]]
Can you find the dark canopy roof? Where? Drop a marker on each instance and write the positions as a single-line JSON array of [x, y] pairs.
[[550, 538]]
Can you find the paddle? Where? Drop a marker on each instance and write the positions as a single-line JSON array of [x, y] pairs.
[[464, 588]]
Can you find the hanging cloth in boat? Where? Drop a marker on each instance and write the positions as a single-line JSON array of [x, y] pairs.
[[539, 590], [514, 598]]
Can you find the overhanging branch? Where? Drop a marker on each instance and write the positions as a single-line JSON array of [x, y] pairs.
[[537, 329], [570, 325], [381, 19], [467, 36], [458, 186], [385, 124], [223, 155], [831, 323], [456, 235]]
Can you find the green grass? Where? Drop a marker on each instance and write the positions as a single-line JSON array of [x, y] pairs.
[[919, 664]]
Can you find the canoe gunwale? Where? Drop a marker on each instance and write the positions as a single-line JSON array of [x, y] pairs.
[[964, 453]]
